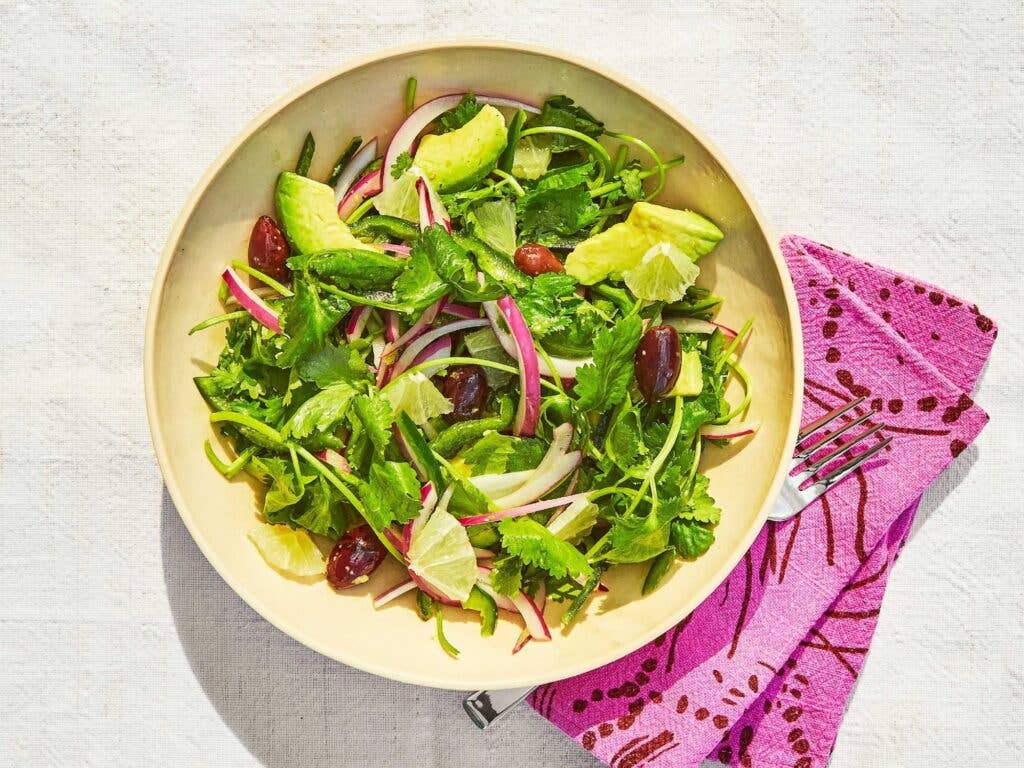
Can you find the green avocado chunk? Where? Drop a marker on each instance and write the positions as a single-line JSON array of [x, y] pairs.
[[459, 159], [309, 215]]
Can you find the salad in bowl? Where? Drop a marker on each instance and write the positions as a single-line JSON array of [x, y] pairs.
[[477, 349]]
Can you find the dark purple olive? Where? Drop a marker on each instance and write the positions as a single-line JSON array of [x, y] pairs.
[[466, 386], [534, 259], [657, 362], [268, 251], [354, 558]]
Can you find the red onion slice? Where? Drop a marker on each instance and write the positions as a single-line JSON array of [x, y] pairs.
[[526, 355], [395, 539], [334, 459], [729, 431], [432, 210], [524, 638], [356, 165], [503, 484], [357, 322], [435, 350], [401, 250], [525, 509], [428, 316], [428, 112], [460, 310], [533, 617], [250, 302], [410, 353], [368, 186], [398, 590], [483, 580]]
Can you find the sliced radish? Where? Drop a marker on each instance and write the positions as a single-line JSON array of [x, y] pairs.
[[395, 539], [524, 638], [398, 590], [356, 165], [428, 112], [533, 617], [526, 509], [696, 325], [408, 356], [729, 431], [432, 593], [250, 302]]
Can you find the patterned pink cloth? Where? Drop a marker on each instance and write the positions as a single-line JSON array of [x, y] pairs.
[[760, 673]]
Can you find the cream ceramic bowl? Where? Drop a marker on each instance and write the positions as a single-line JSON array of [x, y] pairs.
[[365, 98]]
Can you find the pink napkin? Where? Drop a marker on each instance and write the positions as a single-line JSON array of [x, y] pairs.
[[760, 673]]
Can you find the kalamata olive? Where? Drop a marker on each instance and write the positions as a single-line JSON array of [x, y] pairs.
[[657, 361], [268, 250], [466, 386], [354, 558], [534, 259]]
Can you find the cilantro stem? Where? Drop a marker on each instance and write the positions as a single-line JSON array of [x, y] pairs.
[[747, 392], [448, 648], [696, 459], [620, 159], [659, 166], [511, 180], [611, 186], [247, 421], [410, 95], [218, 319], [232, 469], [267, 279], [727, 352], [602, 154], [295, 462], [666, 449], [443, 361], [555, 378], [359, 212]]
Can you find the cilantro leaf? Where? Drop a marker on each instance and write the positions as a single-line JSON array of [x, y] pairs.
[[632, 184], [307, 319], [507, 575], [376, 416], [335, 364], [691, 539], [285, 489], [603, 383], [402, 164], [552, 215], [634, 539], [701, 507], [322, 412], [457, 117], [495, 453], [535, 545], [561, 111], [550, 304], [467, 499], [419, 285], [624, 442], [321, 511], [392, 494]]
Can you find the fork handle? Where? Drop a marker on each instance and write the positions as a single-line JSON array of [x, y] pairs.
[[485, 708]]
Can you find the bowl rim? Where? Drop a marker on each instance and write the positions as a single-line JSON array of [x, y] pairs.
[[252, 599]]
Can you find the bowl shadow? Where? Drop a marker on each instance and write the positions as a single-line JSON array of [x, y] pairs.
[[291, 706]]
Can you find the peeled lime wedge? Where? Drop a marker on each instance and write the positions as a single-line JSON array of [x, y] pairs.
[[400, 199], [287, 549], [415, 394], [663, 274], [441, 555]]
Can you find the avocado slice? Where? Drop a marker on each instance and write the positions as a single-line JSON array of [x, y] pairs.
[[459, 159], [620, 247], [309, 215]]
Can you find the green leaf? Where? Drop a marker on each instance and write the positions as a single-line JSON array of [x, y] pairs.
[[376, 417], [691, 539], [460, 115], [701, 507], [467, 499], [392, 494], [624, 442], [352, 268], [507, 575], [322, 412], [553, 215], [603, 383], [494, 222], [419, 285], [402, 164], [550, 304], [495, 453], [535, 545], [285, 489], [307, 319], [561, 111], [632, 184], [334, 365], [635, 538], [453, 264], [321, 510]]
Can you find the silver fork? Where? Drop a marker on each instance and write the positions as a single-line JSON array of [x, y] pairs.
[[815, 451]]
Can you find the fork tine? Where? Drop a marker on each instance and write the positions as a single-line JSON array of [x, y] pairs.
[[804, 453], [839, 473], [843, 448], [818, 423]]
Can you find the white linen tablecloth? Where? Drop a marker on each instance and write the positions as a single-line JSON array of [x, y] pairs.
[[892, 131]]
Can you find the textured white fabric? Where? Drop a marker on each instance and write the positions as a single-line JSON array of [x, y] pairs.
[[890, 131]]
